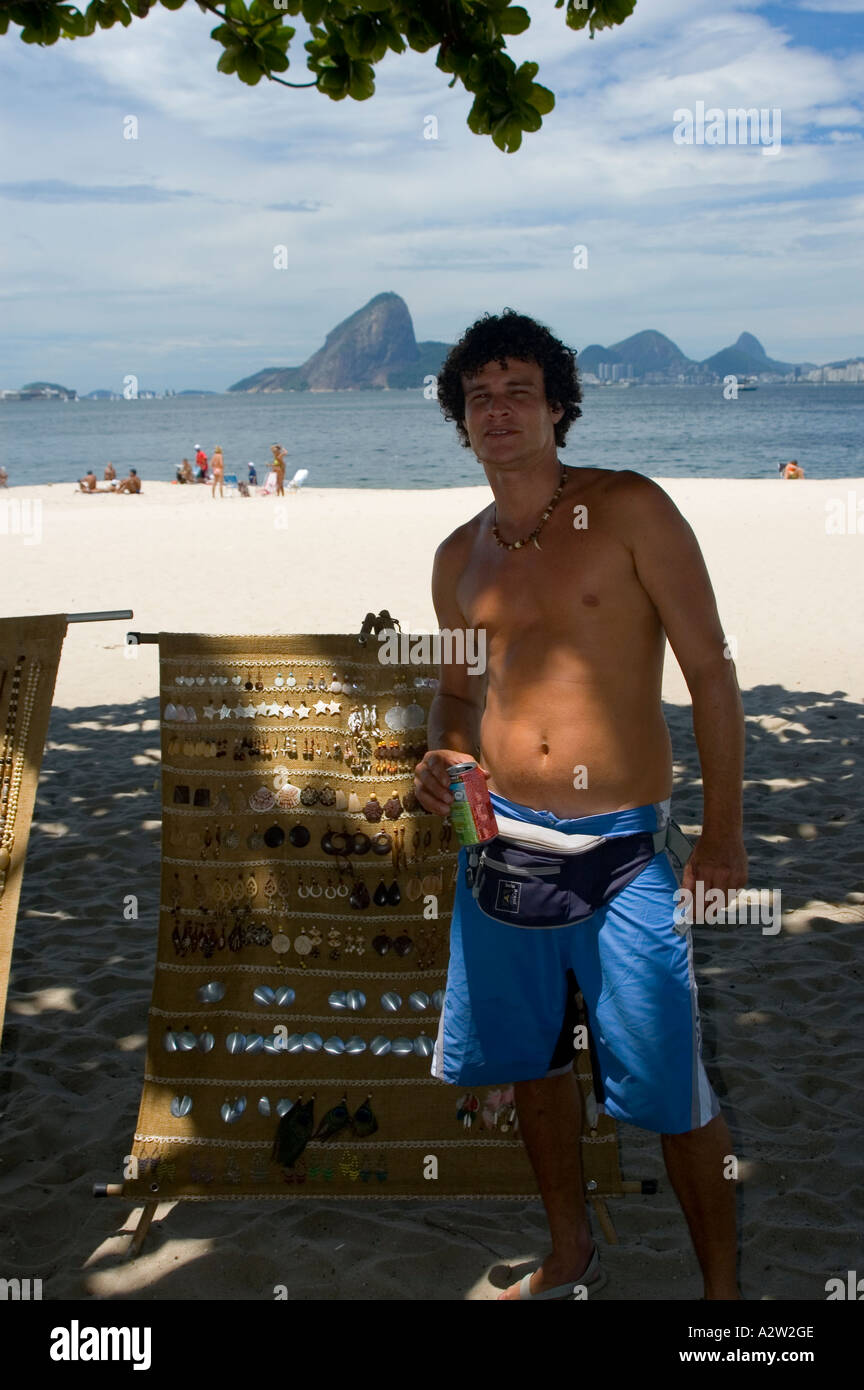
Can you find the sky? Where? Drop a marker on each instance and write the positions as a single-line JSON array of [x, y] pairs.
[[155, 256]]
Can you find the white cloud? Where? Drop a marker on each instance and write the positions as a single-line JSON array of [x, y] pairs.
[[696, 241]]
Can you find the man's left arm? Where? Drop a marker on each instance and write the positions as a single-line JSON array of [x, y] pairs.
[[672, 571]]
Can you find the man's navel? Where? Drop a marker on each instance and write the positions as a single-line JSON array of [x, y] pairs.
[[590, 600]]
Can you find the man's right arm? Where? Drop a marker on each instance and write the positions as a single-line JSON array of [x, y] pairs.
[[457, 709]]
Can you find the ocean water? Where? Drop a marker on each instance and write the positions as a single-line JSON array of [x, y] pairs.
[[398, 439]]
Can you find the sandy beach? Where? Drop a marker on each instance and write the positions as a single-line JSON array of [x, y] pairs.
[[782, 1014]]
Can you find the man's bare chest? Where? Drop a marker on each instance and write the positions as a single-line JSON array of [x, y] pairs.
[[573, 584]]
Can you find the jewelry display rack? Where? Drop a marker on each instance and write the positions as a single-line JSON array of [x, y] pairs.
[[295, 1003]]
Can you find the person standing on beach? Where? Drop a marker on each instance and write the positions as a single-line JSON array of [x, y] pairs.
[[279, 468], [576, 576], [4, 477], [217, 468], [110, 472], [201, 463]]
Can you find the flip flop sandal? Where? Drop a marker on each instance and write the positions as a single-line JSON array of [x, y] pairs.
[[592, 1279]]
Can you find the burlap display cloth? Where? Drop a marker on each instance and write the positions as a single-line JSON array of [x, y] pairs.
[[29, 656], [243, 909]]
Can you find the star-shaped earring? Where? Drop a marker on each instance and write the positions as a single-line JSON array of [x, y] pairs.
[[286, 710], [209, 711], [334, 707], [303, 711], [321, 706], [224, 712]]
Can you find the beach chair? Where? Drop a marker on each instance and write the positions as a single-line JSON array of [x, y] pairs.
[[229, 482], [295, 483]]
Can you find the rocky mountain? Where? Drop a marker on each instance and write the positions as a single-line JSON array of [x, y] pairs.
[[648, 351], [374, 347], [746, 357], [595, 353], [654, 352]]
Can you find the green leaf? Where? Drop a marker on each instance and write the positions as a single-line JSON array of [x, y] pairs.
[[313, 11], [478, 118], [419, 35], [249, 69], [360, 36], [529, 117], [577, 16], [228, 37], [362, 84], [513, 20], [172, 4], [613, 12], [541, 99], [507, 135], [272, 58]]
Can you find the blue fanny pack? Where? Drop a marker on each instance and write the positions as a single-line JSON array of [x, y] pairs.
[[532, 885]]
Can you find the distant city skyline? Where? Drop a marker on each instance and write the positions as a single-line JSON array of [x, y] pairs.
[[155, 256]]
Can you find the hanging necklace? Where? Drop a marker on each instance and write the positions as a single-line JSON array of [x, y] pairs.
[[553, 502]]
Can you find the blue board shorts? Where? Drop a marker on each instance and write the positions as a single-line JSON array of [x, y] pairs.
[[509, 1008]]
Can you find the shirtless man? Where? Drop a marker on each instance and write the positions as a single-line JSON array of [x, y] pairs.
[[575, 631], [131, 484]]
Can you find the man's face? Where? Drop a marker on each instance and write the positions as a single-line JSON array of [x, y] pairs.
[[507, 415]]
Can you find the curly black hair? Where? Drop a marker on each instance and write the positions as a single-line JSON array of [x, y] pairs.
[[494, 338]]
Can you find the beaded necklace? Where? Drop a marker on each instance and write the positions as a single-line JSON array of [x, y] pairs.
[[553, 502]]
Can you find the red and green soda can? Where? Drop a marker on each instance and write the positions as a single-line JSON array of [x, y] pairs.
[[471, 813]]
